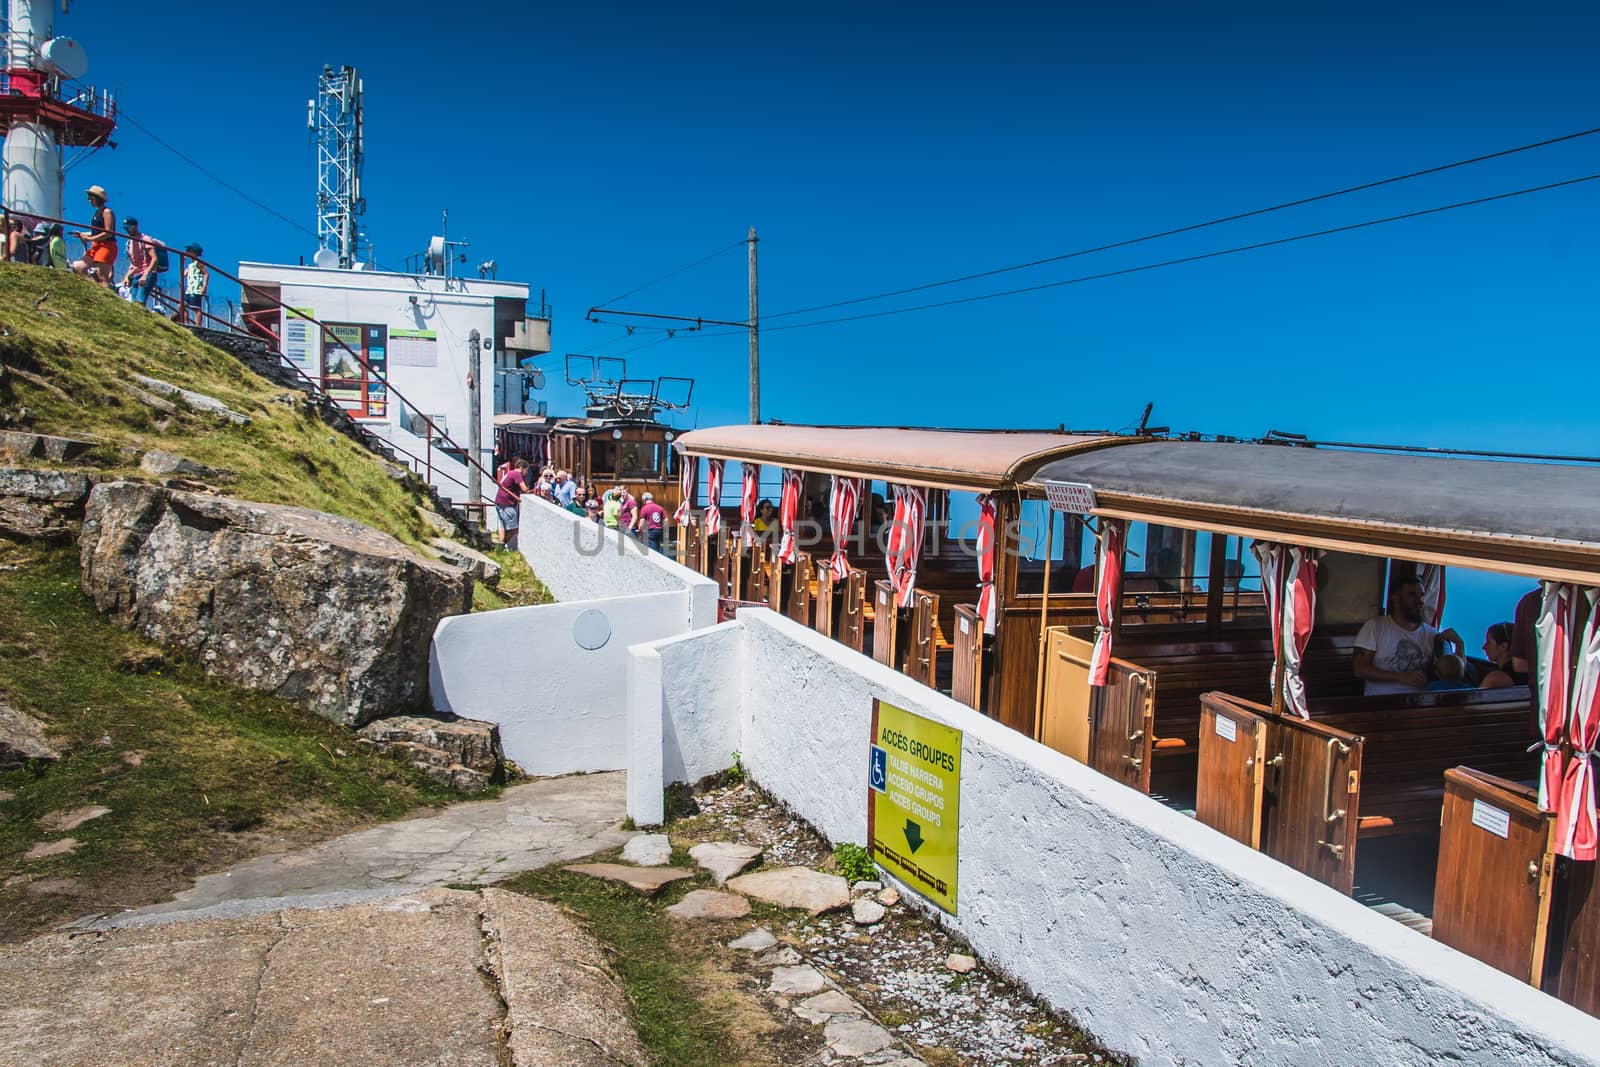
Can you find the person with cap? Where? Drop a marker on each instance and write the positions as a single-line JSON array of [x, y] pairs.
[[653, 521], [146, 257], [196, 279], [100, 255]]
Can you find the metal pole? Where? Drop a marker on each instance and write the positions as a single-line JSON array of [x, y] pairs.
[[474, 419], [755, 336], [1044, 620]]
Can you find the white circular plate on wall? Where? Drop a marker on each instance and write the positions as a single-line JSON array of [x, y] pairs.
[[591, 630]]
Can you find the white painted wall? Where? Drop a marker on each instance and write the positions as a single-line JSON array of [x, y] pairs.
[[1164, 938], [451, 311], [581, 560], [684, 701], [559, 705]]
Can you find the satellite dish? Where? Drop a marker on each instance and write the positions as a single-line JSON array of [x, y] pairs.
[[66, 57], [437, 255], [326, 258], [536, 379]]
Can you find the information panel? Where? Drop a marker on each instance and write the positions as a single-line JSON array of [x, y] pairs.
[[914, 801]]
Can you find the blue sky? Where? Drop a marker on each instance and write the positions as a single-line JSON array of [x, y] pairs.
[[881, 146]]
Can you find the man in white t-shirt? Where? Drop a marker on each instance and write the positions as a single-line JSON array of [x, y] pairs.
[[1395, 651]]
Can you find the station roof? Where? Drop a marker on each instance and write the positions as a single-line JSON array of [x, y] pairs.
[[965, 460], [1539, 519]]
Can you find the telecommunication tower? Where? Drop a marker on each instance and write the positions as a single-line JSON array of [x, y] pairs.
[[45, 108], [334, 120]]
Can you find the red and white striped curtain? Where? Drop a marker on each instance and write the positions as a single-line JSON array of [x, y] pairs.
[[1431, 577], [789, 514], [713, 497], [905, 540], [842, 499], [684, 516], [1289, 581], [987, 515], [1557, 613], [1576, 830], [748, 491], [1107, 593]]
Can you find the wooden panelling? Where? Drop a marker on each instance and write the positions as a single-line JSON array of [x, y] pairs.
[[824, 611], [922, 644], [1491, 897], [1120, 723], [887, 638], [966, 667], [852, 612], [1311, 799], [1577, 935], [797, 599], [1064, 718], [1228, 793]]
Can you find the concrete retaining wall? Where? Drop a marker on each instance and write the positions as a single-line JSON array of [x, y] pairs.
[[581, 560], [1165, 939], [551, 675]]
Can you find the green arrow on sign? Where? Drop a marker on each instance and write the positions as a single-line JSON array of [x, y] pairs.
[[913, 836]]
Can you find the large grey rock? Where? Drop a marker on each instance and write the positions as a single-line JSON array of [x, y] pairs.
[[800, 980], [853, 1038], [309, 606], [40, 503], [198, 401], [724, 859], [22, 739], [464, 754], [158, 462], [28, 445], [470, 560], [795, 887]]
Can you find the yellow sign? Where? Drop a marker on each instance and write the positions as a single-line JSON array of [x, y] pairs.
[[914, 801]]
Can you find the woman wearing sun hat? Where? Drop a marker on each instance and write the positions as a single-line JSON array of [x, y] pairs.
[[101, 238]]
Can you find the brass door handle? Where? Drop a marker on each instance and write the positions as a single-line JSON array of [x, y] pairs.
[[1328, 812]]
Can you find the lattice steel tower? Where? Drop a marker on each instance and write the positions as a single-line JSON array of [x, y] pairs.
[[335, 122]]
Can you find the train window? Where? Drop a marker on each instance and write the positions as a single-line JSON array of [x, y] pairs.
[[1041, 532], [638, 459], [602, 458]]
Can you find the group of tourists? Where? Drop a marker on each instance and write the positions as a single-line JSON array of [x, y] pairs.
[[45, 245], [1400, 652], [615, 508]]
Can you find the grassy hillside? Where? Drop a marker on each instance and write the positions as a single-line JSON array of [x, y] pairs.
[[197, 775]]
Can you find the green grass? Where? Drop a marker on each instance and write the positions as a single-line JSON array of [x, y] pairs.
[[678, 1029], [518, 585], [215, 763], [86, 343]]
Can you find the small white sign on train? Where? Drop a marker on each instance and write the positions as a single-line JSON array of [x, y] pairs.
[[1076, 498]]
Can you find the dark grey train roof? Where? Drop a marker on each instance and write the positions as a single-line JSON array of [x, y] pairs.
[[1501, 498]]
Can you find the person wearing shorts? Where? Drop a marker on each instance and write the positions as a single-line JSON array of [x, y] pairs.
[[196, 280], [508, 501], [101, 255]]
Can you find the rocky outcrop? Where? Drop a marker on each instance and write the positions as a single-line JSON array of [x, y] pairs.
[[22, 738], [40, 503], [305, 605], [470, 560], [463, 754], [25, 444]]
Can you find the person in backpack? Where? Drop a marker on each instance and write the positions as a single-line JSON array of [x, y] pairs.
[[147, 258], [50, 247]]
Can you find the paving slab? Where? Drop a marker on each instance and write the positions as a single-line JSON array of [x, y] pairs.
[[648, 850], [710, 904], [551, 820], [724, 859], [795, 887], [647, 880]]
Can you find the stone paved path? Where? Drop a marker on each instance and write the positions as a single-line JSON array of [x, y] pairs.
[[527, 826]]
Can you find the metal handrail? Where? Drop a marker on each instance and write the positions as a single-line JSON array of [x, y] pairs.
[[315, 387]]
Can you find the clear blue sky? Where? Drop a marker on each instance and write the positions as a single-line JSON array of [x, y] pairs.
[[878, 146]]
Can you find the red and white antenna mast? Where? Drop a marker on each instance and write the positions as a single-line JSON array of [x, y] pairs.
[[44, 108]]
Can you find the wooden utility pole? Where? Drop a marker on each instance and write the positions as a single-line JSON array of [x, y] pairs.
[[474, 419], [755, 336]]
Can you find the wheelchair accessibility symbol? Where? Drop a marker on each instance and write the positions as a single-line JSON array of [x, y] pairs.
[[879, 779]]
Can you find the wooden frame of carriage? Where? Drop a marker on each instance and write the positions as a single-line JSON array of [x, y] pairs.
[[1220, 711]]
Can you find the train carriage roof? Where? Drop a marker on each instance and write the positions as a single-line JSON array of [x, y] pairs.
[[1539, 519], [965, 460]]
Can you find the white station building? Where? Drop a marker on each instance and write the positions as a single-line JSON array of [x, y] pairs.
[[415, 333]]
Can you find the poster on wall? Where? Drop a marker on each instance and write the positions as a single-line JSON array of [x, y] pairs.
[[914, 801], [414, 348], [296, 334], [356, 384]]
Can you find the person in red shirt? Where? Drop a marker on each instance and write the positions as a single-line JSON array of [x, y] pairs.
[[653, 521], [508, 501]]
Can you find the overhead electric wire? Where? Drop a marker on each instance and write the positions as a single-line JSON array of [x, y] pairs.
[[123, 115], [1178, 261], [1192, 227], [671, 274]]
